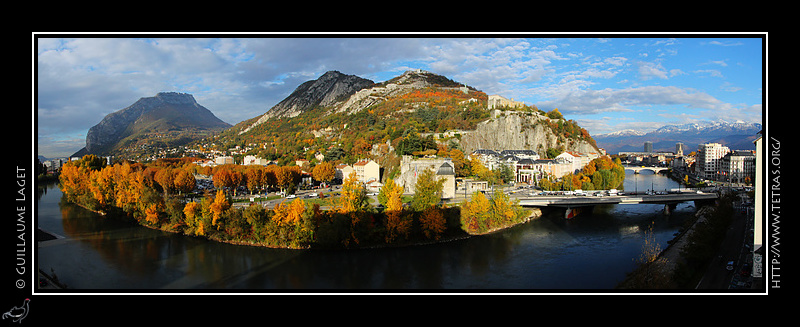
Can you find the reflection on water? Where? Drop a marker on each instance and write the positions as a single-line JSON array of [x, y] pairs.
[[593, 251]]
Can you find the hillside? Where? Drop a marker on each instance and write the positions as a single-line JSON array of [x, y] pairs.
[[165, 120], [415, 113]]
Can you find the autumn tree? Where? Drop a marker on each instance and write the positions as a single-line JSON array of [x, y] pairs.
[[386, 190], [353, 197], [427, 191], [324, 172], [474, 213], [432, 223], [165, 177], [222, 178], [398, 223], [254, 178], [218, 207], [184, 181], [191, 213]]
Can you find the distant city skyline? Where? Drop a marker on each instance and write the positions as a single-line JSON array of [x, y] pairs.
[[603, 82]]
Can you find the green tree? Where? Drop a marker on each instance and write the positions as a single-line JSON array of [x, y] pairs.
[[427, 191]]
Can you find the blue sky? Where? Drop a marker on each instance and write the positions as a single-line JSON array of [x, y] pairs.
[[604, 82]]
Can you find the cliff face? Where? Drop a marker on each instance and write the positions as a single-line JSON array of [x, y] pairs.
[[165, 112], [519, 131]]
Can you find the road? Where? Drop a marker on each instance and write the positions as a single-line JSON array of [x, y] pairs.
[[736, 247]]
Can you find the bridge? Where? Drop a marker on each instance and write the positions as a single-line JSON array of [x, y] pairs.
[[572, 202], [636, 170]]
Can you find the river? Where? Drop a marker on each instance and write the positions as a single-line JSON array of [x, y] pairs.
[[589, 252]]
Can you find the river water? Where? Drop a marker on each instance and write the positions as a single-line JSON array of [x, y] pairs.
[[589, 252]]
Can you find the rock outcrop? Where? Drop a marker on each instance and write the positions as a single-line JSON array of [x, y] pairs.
[[516, 130]]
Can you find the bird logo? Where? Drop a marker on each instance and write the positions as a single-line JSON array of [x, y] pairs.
[[18, 313]]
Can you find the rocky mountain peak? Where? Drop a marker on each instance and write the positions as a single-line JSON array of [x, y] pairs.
[[165, 112], [327, 90]]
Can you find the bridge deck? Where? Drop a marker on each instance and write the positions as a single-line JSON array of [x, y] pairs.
[[579, 201]]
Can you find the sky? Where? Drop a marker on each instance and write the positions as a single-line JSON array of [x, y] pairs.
[[605, 82]]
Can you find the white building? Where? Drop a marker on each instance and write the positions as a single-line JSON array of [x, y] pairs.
[[708, 160], [253, 160], [367, 171], [342, 171], [225, 160], [738, 166]]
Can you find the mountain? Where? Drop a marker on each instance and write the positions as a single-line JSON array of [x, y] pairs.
[[736, 136], [169, 118], [327, 90], [418, 112]]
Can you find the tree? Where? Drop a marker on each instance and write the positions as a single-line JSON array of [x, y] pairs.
[[474, 213], [398, 223], [220, 205], [191, 212], [289, 214], [427, 191], [165, 177], [386, 191], [324, 172], [221, 178], [254, 178], [460, 164], [184, 181], [236, 178], [433, 223], [353, 197]]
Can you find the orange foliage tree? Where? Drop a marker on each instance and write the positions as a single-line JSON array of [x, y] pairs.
[[433, 223]]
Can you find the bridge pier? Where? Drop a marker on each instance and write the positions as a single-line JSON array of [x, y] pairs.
[[669, 208], [572, 212]]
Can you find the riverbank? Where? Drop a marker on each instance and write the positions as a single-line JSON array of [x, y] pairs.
[[660, 274]]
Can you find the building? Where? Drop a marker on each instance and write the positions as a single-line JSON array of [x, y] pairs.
[[648, 146], [679, 147], [253, 160], [342, 171], [225, 160], [497, 101], [738, 167], [576, 159], [708, 160], [367, 171], [759, 202], [410, 169]]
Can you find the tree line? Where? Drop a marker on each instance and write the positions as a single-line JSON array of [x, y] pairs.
[[599, 174], [155, 195]]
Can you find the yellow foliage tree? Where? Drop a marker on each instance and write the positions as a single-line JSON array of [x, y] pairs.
[[289, 214], [220, 205], [152, 214], [324, 172], [191, 211], [398, 224], [353, 197], [474, 213]]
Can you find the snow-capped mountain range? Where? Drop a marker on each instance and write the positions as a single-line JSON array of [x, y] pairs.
[[735, 135]]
